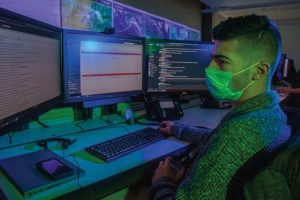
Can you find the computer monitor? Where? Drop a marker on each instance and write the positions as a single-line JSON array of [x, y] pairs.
[[30, 65], [177, 66], [101, 69]]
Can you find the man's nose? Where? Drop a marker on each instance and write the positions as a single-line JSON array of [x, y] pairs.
[[212, 65]]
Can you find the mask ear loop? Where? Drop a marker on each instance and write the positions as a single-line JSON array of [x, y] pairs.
[[260, 35], [247, 86], [246, 69]]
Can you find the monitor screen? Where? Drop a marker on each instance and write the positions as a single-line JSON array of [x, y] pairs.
[[101, 69], [29, 67], [177, 66]]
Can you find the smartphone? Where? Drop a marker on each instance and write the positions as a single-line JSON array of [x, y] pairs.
[[54, 169]]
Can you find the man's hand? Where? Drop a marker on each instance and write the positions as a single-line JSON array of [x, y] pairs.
[[165, 127], [164, 170], [283, 90]]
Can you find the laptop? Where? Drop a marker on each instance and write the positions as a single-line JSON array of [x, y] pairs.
[[23, 172]]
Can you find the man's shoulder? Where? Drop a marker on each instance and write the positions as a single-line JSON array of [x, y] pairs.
[[253, 124], [257, 117]]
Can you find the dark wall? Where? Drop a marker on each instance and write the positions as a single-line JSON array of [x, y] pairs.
[[206, 33]]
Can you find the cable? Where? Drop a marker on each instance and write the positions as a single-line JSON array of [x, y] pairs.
[[106, 120], [81, 122], [43, 125], [78, 170], [73, 133], [148, 123], [10, 136], [137, 120], [140, 117], [78, 125], [121, 127], [81, 128], [63, 152]]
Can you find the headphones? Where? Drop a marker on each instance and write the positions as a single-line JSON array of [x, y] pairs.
[[65, 143]]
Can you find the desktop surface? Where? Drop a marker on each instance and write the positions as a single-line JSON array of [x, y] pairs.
[[98, 172], [101, 178]]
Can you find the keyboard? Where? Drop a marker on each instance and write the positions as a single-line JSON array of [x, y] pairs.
[[121, 146]]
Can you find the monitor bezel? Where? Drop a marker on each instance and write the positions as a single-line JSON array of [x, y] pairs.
[[172, 92], [13, 122], [102, 99]]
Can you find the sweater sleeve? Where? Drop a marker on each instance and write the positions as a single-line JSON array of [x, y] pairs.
[[209, 177], [190, 134], [163, 188]]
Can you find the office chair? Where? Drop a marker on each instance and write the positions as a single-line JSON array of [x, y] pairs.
[[280, 168], [293, 117]]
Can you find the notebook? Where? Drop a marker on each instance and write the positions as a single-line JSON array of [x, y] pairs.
[[22, 172]]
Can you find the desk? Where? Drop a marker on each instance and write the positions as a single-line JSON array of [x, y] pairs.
[[100, 178]]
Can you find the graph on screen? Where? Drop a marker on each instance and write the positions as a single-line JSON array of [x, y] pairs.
[[109, 63]]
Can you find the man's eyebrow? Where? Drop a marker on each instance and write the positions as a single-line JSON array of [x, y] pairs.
[[220, 56]]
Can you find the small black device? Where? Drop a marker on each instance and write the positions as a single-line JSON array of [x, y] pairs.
[[163, 108], [54, 169], [25, 172], [185, 161], [65, 143], [121, 146]]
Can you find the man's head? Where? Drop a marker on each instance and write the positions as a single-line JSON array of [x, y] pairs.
[[251, 43]]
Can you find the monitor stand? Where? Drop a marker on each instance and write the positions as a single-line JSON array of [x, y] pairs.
[[110, 114], [81, 113], [109, 110]]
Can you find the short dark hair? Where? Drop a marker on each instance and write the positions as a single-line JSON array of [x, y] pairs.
[[258, 31]]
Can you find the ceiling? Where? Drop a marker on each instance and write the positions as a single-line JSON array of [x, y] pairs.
[[279, 10]]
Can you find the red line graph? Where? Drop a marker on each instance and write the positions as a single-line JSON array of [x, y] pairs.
[[112, 74]]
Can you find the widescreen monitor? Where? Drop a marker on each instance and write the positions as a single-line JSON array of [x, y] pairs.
[[101, 69], [30, 66], [177, 66]]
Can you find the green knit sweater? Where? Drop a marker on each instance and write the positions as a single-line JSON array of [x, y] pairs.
[[257, 124]]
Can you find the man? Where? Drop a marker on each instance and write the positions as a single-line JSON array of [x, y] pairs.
[[246, 53]]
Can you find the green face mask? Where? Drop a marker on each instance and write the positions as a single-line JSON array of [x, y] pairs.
[[219, 84]]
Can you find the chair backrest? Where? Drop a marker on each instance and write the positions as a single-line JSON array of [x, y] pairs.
[[289, 160], [293, 117], [262, 160]]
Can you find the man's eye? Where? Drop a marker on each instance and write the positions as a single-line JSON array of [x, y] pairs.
[[220, 61]]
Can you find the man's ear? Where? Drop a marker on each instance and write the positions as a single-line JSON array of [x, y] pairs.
[[261, 71]]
